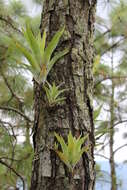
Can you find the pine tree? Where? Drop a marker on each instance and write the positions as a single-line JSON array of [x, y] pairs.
[[117, 76], [75, 114]]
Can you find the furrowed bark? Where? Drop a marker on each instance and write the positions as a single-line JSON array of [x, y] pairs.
[[76, 113]]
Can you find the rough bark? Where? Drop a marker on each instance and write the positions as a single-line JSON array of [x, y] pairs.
[[76, 114]]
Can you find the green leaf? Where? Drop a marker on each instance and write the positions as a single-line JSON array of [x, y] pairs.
[[53, 94], [43, 41], [47, 92], [64, 158], [56, 58], [33, 43], [70, 141], [72, 151], [39, 56], [59, 92], [97, 112], [80, 141], [28, 56], [96, 63], [58, 100], [52, 45], [62, 142]]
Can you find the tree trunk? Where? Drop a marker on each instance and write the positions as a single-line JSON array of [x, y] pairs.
[[76, 114], [111, 135]]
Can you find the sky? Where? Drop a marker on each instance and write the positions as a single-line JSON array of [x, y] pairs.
[[102, 11]]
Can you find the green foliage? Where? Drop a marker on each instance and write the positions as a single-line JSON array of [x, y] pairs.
[[101, 43], [25, 157], [39, 56], [72, 151], [102, 129], [102, 69], [14, 151], [118, 18], [96, 63], [38, 1], [53, 94], [17, 8], [34, 23], [97, 113], [18, 156]]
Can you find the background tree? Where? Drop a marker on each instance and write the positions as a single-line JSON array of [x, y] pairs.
[[16, 95], [112, 41]]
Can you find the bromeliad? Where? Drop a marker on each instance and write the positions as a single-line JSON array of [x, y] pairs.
[[38, 55], [72, 151], [53, 94]]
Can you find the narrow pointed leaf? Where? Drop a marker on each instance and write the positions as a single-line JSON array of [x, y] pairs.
[[52, 45], [43, 43], [47, 92], [28, 56], [56, 58], [81, 141], [62, 142], [33, 43], [60, 92], [97, 112], [63, 158], [96, 63], [70, 141], [59, 100]]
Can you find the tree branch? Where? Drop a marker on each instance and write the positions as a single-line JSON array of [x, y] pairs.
[[116, 44], [16, 111], [119, 148], [10, 89], [101, 35], [10, 125], [119, 122], [11, 140], [109, 77], [100, 155], [14, 171], [6, 158], [9, 21]]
